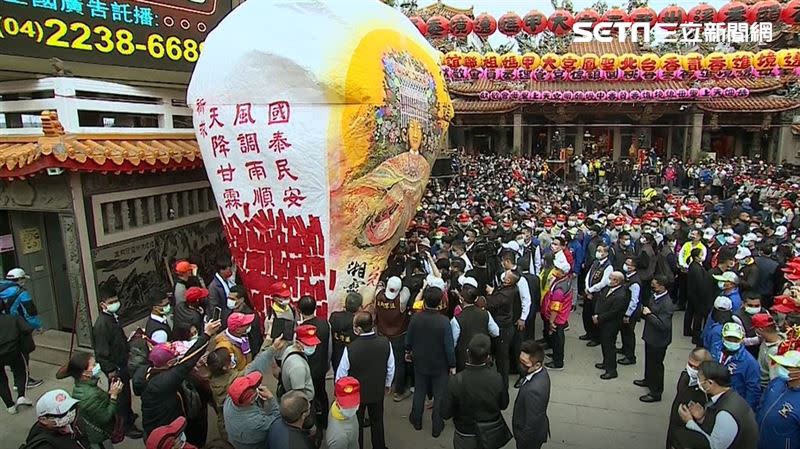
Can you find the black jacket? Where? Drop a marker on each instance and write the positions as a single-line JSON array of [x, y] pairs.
[[475, 394], [501, 304], [282, 435], [748, 281], [430, 340], [530, 423], [41, 438], [12, 330], [110, 345], [658, 324], [188, 316], [700, 285], [319, 362], [610, 308], [158, 389], [683, 395]]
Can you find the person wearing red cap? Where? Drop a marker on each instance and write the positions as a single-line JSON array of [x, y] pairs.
[[170, 436], [767, 331], [295, 373], [249, 411], [319, 361], [191, 312], [185, 277], [343, 428], [284, 315], [235, 340]]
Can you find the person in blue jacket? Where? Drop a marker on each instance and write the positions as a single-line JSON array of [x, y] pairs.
[[16, 301], [728, 283], [779, 412], [719, 315], [745, 371]]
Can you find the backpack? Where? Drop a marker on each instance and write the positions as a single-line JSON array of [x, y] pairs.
[[139, 350], [8, 302]]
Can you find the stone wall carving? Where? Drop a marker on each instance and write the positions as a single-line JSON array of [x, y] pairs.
[[42, 193], [75, 276], [95, 183]]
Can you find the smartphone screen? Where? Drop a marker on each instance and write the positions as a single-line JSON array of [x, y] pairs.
[[217, 314]]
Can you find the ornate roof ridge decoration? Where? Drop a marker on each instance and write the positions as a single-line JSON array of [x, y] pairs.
[[462, 106], [117, 153], [764, 103], [441, 9], [757, 85]]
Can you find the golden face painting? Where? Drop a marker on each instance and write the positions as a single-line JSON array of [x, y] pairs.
[[392, 126]]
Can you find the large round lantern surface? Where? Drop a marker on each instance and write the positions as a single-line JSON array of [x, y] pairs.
[[560, 22], [460, 25], [509, 24], [438, 27], [615, 15], [644, 14], [484, 25], [732, 12], [702, 13], [672, 14], [791, 12], [764, 11], [590, 15], [420, 24], [535, 22]]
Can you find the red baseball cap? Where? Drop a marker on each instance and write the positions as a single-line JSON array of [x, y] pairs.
[[581, 216], [762, 320], [243, 389], [348, 392], [183, 266], [164, 437], [561, 218], [548, 222], [239, 320], [195, 294], [619, 221], [463, 218], [307, 335], [280, 289], [636, 221], [785, 304]]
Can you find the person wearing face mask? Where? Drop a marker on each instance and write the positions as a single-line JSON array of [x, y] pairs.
[[295, 373], [249, 411], [319, 360], [55, 426], [370, 360], [219, 290], [687, 391], [343, 428], [475, 395], [160, 384], [112, 353], [608, 313], [159, 326], [726, 421], [621, 250], [657, 336], [752, 306], [17, 301], [234, 339], [633, 283], [530, 423], [190, 312], [185, 277], [779, 413], [720, 314], [98, 408], [767, 331], [556, 307], [748, 279], [745, 372], [597, 278], [284, 316]]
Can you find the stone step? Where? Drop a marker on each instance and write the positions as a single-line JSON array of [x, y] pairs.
[[52, 347]]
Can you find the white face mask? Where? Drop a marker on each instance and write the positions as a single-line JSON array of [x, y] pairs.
[[348, 412], [692, 372], [598, 255], [231, 303]]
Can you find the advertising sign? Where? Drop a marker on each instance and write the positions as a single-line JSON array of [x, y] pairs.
[[156, 34]]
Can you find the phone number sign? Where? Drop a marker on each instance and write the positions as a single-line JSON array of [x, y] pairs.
[[155, 34]]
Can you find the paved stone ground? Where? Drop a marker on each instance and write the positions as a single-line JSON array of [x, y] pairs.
[[585, 412]]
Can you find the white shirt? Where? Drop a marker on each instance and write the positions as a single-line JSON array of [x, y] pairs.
[[524, 295], [493, 328], [225, 285], [159, 336], [344, 364], [635, 290], [603, 282], [724, 431]]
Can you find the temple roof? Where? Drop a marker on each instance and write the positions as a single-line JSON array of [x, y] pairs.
[[483, 107], [749, 104], [615, 47], [472, 89], [440, 9], [107, 153]]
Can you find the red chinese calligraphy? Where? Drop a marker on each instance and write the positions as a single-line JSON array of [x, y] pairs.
[[200, 106], [256, 170], [244, 114], [283, 169], [262, 197], [231, 198], [202, 129], [226, 173], [278, 143], [248, 143], [292, 197], [279, 112], [214, 117], [220, 145]]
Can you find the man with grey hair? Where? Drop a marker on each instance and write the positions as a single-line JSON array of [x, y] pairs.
[[608, 313], [288, 431], [688, 391]]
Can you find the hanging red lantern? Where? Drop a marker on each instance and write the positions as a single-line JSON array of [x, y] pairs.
[[460, 25], [590, 15], [484, 25], [702, 13], [420, 24], [535, 22], [560, 22], [438, 27], [509, 24], [732, 12], [764, 11], [615, 15], [644, 14], [791, 13], [672, 14]]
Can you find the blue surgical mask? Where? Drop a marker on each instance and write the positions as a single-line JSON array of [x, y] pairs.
[[731, 346], [96, 371], [309, 350], [781, 373]]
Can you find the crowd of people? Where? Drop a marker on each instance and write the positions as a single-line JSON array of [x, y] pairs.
[[494, 249]]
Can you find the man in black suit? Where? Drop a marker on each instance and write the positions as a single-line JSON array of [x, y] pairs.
[[318, 362], [608, 313], [530, 423], [430, 347], [687, 391], [700, 297], [500, 303], [657, 336]]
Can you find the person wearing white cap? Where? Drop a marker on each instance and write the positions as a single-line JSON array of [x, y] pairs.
[[17, 301], [781, 401], [391, 321], [55, 428], [748, 281], [720, 314], [728, 283], [745, 372]]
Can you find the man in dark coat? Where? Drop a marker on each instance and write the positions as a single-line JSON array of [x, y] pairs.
[[288, 431], [500, 303], [318, 362], [657, 336], [159, 326], [687, 391], [341, 324], [219, 290], [608, 313], [530, 423], [700, 297]]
